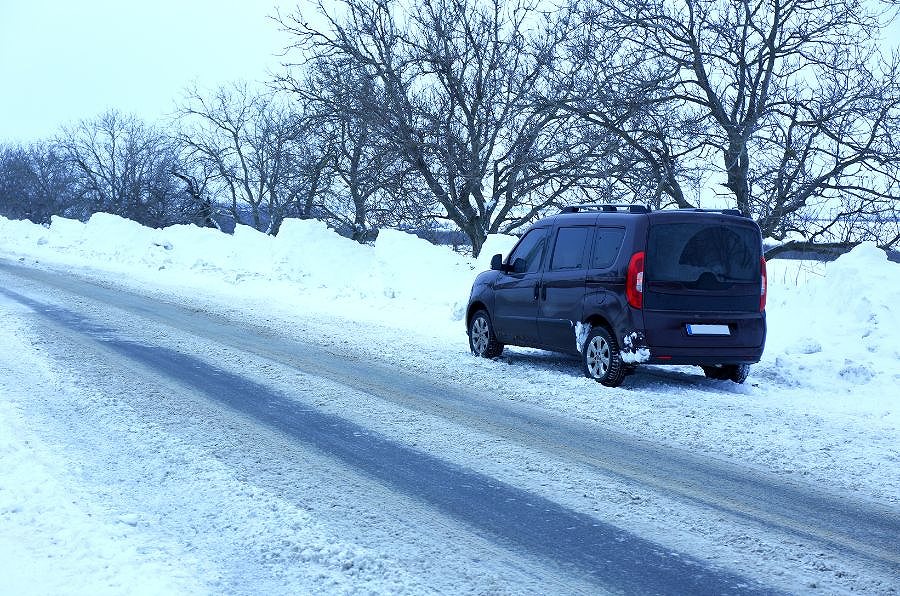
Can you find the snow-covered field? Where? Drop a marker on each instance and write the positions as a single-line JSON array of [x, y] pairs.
[[822, 407]]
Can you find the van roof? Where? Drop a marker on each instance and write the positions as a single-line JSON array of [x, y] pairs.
[[639, 209], [623, 214]]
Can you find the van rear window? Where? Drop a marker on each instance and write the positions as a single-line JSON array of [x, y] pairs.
[[693, 253]]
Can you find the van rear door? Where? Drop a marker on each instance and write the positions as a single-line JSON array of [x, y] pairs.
[[702, 281]]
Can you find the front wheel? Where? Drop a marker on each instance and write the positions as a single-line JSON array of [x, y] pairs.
[[602, 359], [482, 340]]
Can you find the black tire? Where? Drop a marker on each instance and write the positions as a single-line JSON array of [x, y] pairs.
[[601, 358], [482, 340], [728, 372], [719, 373], [738, 372]]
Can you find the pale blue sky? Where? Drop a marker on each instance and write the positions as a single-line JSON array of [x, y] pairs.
[[63, 61]]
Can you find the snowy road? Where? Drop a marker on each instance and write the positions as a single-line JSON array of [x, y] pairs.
[[428, 475]]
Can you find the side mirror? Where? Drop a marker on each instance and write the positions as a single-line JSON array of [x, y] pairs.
[[520, 265], [497, 262]]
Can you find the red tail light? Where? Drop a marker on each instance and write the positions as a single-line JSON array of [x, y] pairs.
[[764, 284], [634, 288]]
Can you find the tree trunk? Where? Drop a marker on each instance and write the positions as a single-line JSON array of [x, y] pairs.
[[737, 165]]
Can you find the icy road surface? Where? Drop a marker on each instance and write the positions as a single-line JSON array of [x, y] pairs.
[[262, 461]]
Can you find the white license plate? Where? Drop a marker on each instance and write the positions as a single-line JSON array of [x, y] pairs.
[[708, 330]]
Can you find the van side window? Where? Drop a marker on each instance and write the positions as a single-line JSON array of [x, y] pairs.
[[568, 253], [530, 248], [607, 244]]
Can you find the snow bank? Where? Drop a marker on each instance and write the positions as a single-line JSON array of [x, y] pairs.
[[307, 265], [839, 331]]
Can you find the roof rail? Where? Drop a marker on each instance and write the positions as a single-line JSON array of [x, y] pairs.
[[722, 211], [606, 208]]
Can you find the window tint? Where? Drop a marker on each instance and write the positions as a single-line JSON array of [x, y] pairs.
[[568, 252], [607, 244], [530, 248], [694, 253]]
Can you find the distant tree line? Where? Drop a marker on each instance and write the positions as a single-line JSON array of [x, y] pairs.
[[482, 115]]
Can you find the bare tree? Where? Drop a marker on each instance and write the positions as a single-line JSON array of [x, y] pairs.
[[791, 96], [618, 89], [124, 167], [365, 183], [196, 185], [247, 144], [36, 183], [453, 88]]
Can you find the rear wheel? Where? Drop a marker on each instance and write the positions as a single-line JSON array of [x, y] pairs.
[[738, 372], [602, 359], [482, 340], [728, 372], [715, 372]]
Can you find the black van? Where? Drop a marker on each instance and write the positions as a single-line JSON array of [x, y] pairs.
[[622, 285]]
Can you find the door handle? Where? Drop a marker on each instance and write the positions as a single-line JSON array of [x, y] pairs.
[[537, 289]]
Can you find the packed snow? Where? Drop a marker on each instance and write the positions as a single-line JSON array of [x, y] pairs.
[[822, 405]]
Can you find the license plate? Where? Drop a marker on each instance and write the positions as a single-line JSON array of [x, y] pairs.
[[708, 330]]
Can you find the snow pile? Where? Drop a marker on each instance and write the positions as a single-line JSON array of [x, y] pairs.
[[401, 277], [415, 269], [839, 331], [307, 252]]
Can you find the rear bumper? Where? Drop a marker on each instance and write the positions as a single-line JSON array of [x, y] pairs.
[[704, 356], [673, 345], [636, 350]]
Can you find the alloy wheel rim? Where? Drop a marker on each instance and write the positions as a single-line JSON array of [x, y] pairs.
[[480, 336], [598, 357]]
